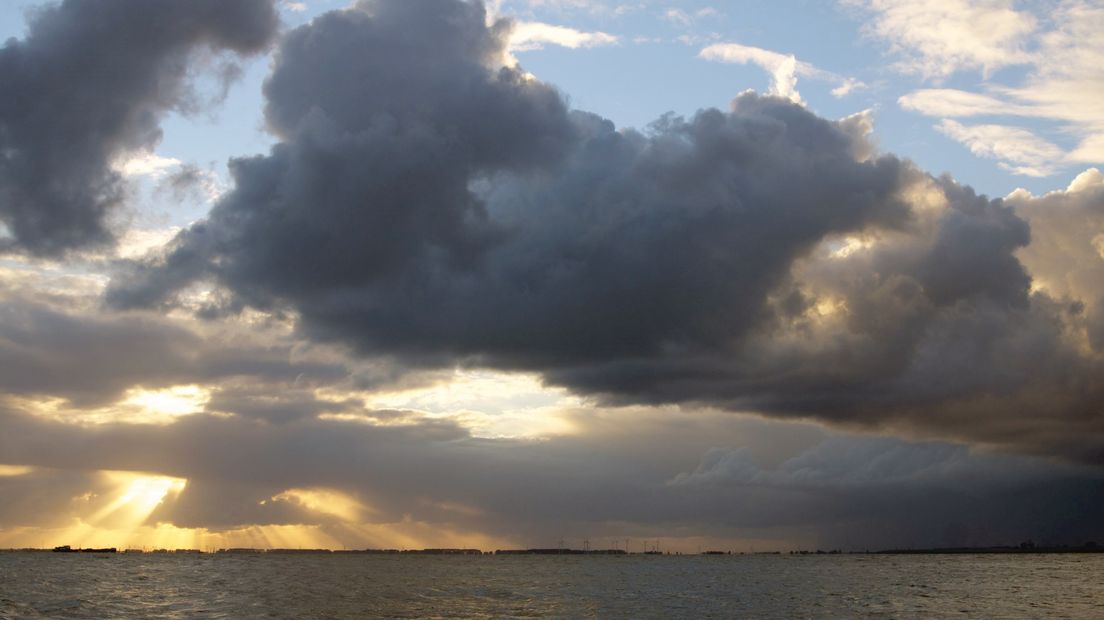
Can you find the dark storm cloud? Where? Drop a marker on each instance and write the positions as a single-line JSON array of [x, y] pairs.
[[603, 245], [428, 204], [882, 493], [89, 84], [388, 150]]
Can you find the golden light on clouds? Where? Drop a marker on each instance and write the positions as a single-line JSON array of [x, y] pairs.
[[488, 403], [124, 509], [324, 501], [466, 388], [453, 507], [170, 402], [826, 307], [168, 536], [137, 406], [851, 245], [134, 498], [925, 197], [1098, 245], [113, 512], [11, 471], [116, 512], [138, 242]]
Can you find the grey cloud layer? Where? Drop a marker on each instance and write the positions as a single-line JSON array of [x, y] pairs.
[[704, 478], [51, 351], [89, 84], [428, 204]]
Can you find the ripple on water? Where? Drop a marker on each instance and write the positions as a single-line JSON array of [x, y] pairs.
[[38, 585]]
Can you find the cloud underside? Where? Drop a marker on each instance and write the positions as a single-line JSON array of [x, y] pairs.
[[222, 482], [761, 259]]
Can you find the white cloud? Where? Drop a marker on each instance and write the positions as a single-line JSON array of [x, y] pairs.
[[1085, 181], [535, 35], [138, 242], [1068, 79], [1064, 85], [784, 69], [683, 18], [1019, 150], [678, 16], [936, 38], [954, 103], [147, 164], [847, 87], [596, 8], [698, 39], [1090, 150]]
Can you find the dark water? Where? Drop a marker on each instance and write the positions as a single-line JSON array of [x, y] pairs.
[[47, 585]]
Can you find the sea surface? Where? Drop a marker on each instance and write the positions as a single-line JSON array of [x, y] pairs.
[[54, 585]]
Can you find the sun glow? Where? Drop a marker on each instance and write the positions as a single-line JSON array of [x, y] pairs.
[[114, 512], [324, 501], [827, 307], [147, 492], [133, 510], [171, 402], [487, 403], [135, 498], [138, 406]]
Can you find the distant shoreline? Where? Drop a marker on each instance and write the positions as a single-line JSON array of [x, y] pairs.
[[991, 550], [1024, 549]]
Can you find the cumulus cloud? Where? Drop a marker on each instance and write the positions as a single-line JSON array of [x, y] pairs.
[[120, 66], [1066, 255], [443, 209], [784, 69]]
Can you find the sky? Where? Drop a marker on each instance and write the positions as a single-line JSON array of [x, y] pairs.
[[437, 273]]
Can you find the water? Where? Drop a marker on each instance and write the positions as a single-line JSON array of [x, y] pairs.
[[49, 585]]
